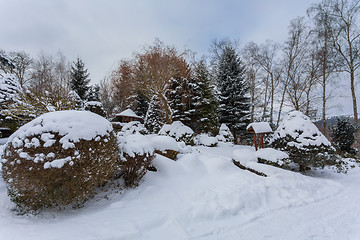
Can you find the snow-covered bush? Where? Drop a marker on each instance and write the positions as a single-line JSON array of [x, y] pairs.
[[132, 128], [272, 156], [306, 145], [59, 158], [137, 154], [206, 140], [225, 134], [178, 131], [95, 107], [166, 146]]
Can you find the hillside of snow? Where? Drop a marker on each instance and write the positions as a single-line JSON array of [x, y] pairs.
[[203, 195]]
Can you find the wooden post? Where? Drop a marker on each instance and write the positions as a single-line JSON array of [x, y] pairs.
[[255, 142], [262, 140]]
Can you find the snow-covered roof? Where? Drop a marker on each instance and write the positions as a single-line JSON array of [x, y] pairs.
[[259, 127], [128, 113]]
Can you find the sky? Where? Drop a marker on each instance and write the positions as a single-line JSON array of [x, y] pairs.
[[102, 32]]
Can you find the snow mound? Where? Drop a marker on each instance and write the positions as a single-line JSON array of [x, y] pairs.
[[245, 156], [136, 144], [163, 143], [71, 125], [272, 155], [206, 140], [177, 130], [299, 127]]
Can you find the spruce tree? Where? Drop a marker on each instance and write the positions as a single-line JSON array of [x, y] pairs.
[[140, 105], [155, 116], [181, 98], [234, 93], [205, 102], [79, 79]]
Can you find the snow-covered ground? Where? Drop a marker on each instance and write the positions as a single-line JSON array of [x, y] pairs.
[[203, 195]]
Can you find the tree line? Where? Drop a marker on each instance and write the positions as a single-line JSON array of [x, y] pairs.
[[233, 85]]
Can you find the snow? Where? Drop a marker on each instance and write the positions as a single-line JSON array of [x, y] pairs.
[[260, 127], [93, 103], [300, 127], [71, 125], [135, 144], [58, 163], [177, 130], [245, 156], [131, 128], [128, 113], [203, 195], [206, 140], [225, 134], [163, 143], [272, 155], [3, 140]]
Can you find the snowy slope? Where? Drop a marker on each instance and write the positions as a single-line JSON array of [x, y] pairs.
[[204, 196]]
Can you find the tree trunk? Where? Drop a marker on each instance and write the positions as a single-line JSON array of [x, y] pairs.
[[324, 105], [352, 80], [272, 99]]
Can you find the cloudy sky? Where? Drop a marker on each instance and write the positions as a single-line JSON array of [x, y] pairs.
[[101, 32]]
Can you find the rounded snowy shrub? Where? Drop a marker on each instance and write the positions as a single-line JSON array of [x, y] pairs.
[[59, 158], [95, 107], [206, 140], [303, 141], [179, 132], [166, 146], [137, 154]]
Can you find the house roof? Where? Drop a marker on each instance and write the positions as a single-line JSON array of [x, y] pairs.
[[259, 127], [128, 113]]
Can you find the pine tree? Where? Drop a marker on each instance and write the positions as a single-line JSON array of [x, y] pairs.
[[234, 93], [205, 102], [79, 79], [155, 116]]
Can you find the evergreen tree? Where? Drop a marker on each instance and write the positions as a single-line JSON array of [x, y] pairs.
[[234, 92], [155, 116], [343, 134], [181, 97], [94, 93], [79, 79], [140, 105], [205, 102]]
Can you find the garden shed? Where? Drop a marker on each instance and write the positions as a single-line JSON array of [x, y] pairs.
[[259, 129]]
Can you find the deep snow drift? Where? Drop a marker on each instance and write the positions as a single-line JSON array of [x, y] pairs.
[[203, 195]]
